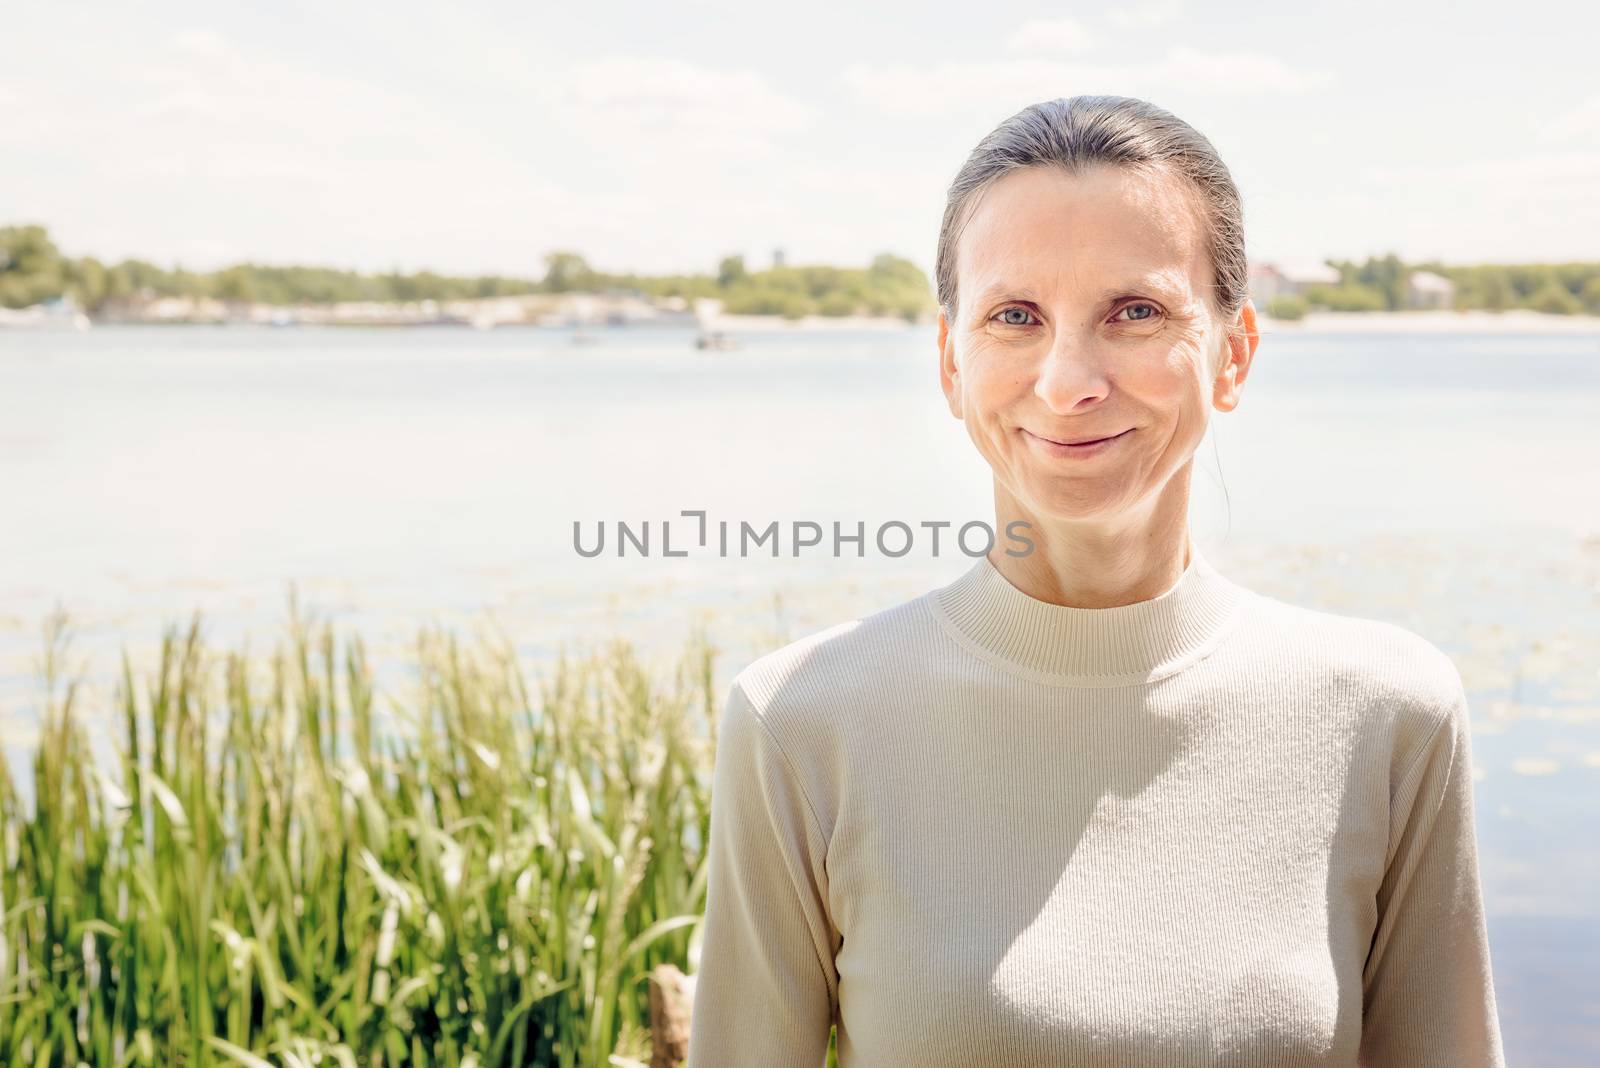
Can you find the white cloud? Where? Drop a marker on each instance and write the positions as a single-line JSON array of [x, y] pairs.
[[1052, 36], [474, 145], [1236, 72], [1145, 16], [200, 41], [955, 88], [1582, 121], [669, 99], [205, 107], [1550, 168], [242, 155]]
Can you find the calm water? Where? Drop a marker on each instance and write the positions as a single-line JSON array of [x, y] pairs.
[[1447, 483]]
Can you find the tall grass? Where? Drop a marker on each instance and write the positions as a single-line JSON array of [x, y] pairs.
[[273, 871]]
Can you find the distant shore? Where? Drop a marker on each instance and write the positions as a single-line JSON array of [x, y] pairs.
[[742, 324], [1515, 321]]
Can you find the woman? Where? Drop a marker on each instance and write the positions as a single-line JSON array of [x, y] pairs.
[[1093, 803]]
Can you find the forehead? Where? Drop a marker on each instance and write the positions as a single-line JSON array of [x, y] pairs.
[[1042, 228]]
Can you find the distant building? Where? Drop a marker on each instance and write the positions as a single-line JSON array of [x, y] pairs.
[[1424, 289], [1285, 279], [188, 309], [60, 313], [707, 310], [777, 257]]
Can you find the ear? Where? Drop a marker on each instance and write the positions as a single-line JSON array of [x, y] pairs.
[[1240, 351], [949, 367]]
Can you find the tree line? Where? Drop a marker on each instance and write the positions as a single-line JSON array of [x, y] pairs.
[[1380, 284], [33, 270]]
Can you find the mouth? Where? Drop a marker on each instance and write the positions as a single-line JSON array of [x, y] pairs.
[[1078, 443]]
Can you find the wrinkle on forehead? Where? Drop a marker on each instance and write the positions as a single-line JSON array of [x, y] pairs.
[[1150, 238], [1170, 282]]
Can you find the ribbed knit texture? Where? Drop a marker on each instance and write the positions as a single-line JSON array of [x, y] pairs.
[[979, 829]]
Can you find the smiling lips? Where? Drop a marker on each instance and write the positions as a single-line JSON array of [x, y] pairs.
[[1077, 441]]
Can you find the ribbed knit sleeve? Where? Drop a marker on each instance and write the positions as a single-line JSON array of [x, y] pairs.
[[1428, 989], [766, 988]]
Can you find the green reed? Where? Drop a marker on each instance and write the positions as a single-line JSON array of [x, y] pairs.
[[272, 871]]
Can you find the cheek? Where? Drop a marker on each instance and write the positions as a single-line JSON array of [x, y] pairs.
[[989, 383], [1180, 373]]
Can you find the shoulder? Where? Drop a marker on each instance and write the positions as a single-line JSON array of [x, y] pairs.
[[1385, 652], [1398, 678], [817, 695], [813, 676]]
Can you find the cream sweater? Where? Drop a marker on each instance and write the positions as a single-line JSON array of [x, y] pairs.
[[979, 829]]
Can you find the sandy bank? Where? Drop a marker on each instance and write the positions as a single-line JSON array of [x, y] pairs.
[[1519, 321], [759, 323]]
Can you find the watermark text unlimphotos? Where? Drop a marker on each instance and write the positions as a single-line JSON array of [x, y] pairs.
[[893, 538]]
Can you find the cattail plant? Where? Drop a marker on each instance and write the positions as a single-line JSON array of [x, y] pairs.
[[274, 869]]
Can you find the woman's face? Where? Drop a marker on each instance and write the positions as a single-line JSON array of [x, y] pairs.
[[1082, 314]]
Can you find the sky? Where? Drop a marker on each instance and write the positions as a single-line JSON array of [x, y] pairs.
[[475, 137]]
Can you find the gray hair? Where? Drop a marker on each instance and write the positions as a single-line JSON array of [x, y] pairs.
[[1077, 132]]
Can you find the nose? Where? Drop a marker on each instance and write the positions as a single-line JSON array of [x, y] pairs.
[[1072, 374]]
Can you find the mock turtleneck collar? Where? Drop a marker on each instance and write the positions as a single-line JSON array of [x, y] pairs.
[[1128, 644]]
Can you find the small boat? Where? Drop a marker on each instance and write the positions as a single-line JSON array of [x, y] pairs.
[[715, 339]]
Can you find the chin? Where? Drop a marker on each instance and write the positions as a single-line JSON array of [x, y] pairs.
[[1081, 501]]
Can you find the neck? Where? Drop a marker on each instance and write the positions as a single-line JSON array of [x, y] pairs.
[[1104, 564], [1126, 643]]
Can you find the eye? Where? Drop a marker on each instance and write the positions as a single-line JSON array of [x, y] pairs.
[[1151, 309], [1019, 309]]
